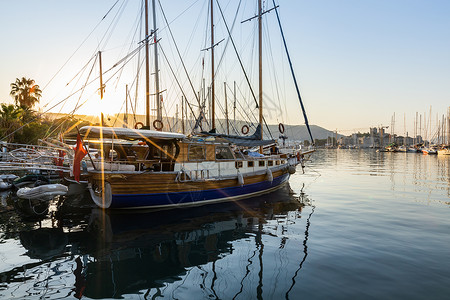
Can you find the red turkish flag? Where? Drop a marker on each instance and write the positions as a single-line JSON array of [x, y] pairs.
[[80, 152]]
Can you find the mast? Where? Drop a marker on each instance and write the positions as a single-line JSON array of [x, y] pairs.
[[213, 122], [226, 107], [125, 117], [102, 123], [448, 126], [234, 103], [182, 114], [155, 47], [147, 80], [260, 71]]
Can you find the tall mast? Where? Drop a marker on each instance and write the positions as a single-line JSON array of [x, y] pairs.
[[234, 103], [448, 126], [155, 47], [226, 107], [125, 117], [260, 71], [213, 122], [147, 79], [102, 123], [182, 115]]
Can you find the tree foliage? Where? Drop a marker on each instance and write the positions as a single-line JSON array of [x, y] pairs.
[[25, 93], [10, 120]]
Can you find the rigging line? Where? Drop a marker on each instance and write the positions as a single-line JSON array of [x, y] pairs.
[[293, 75], [249, 119], [179, 55], [247, 272], [182, 13], [228, 40], [275, 80], [305, 251], [81, 94], [235, 50], [191, 39], [229, 121], [109, 10], [135, 81], [167, 117], [81, 71], [242, 66], [129, 56], [132, 39], [117, 115], [176, 79], [82, 43], [109, 31]]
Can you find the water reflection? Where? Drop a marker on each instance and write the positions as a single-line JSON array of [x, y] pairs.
[[201, 251], [412, 174]]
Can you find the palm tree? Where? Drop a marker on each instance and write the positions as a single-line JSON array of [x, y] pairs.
[[9, 120], [26, 94]]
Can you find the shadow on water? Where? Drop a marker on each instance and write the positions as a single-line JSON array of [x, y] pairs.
[[111, 254]]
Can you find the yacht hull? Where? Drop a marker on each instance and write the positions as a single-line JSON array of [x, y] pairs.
[[163, 191]]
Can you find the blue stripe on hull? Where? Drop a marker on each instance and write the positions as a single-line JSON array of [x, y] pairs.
[[195, 197]]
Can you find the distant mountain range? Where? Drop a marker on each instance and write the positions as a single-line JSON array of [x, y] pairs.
[[300, 132]]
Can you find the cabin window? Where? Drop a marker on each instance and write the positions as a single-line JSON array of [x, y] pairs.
[[262, 163], [224, 152], [197, 152], [277, 162], [270, 163], [283, 162], [250, 164], [238, 164]]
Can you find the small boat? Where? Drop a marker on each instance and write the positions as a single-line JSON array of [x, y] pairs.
[[402, 149], [6, 181], [42, 192], [429, 151], [444, 151], [30, 180]]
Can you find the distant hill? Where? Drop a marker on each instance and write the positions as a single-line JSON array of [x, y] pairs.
[[299, 132]]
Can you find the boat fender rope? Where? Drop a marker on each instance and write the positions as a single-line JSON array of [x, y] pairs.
[[281, 128], [245, 129], [158, 125]]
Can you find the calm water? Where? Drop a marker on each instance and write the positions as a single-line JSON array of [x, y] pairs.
[[358, 224]]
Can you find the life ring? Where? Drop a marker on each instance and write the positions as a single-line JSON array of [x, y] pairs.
[[158, 125], [281, 128], [137, 124], [245, 129]]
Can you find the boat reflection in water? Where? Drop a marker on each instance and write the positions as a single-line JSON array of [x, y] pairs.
[[210, 251]]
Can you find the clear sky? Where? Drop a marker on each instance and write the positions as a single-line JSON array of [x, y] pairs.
[[358, 61]]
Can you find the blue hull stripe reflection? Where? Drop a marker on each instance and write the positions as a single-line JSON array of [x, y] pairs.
[[193, 197]]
